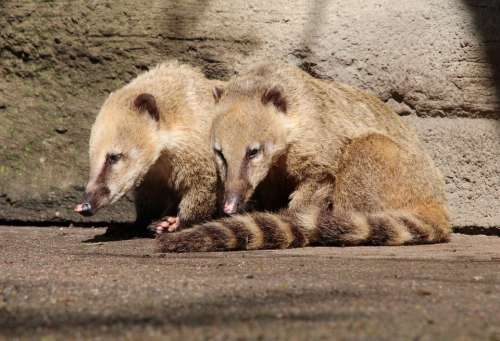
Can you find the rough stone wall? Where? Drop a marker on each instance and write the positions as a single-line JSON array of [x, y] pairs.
[[435, 61]]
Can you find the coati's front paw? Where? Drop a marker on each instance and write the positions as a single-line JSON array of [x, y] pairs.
[[166, 224]]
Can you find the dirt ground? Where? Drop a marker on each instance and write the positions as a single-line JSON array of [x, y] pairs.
[[60, 282]]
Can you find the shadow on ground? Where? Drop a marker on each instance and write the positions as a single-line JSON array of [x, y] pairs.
[[54, 286], [216, 309]]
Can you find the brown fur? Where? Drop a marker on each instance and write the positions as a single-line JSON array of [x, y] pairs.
[[159, 125], [361, 176]]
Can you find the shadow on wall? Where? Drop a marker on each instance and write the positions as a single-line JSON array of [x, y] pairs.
[[182, 17], [315, 19], [486, 15], [197, 46]]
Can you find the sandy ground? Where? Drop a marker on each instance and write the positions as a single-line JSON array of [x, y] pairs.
[[56, 283]]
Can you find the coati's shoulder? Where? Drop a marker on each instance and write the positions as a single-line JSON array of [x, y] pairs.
[[347, 109]]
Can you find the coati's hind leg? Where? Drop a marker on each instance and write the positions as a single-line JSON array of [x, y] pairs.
[[389, 195]]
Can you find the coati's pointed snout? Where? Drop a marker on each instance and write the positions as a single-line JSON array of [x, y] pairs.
[[92, 201], [84, 209]]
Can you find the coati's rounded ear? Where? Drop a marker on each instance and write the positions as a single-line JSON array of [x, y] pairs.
[[275, 96], [147, 102], [217, 92]]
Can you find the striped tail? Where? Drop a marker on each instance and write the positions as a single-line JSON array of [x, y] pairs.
[[313, 226]]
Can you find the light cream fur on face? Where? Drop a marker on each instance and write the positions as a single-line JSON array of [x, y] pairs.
[[233, 136], [152, 136], [112, 134]]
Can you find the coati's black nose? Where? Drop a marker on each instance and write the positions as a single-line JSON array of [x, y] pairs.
[[84, 209], [93, 200]]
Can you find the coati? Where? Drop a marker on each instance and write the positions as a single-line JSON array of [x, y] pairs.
[[359, 175], [152, 135]]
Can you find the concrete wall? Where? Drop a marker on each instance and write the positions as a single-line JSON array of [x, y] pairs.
[[435, 61]]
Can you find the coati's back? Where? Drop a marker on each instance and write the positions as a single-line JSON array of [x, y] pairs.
[[324, 104]]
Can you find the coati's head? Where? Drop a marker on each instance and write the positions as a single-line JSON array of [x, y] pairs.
[[248, 137], [123, 146]]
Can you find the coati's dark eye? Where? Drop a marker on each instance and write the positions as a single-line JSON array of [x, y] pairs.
[[113, 158], [252, 152], [219, 154]]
